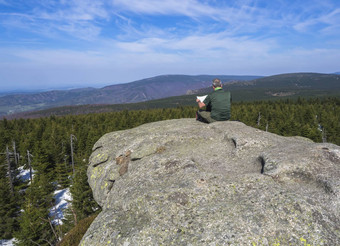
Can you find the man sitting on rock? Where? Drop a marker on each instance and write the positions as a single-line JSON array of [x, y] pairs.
[[217, 105]]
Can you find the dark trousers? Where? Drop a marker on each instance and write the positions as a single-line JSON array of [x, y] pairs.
[[204, 116]]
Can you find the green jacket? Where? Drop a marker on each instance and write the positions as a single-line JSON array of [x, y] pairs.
[[219, 103]]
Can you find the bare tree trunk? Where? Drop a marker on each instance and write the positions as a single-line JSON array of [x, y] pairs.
[[54, 232], [74, 216], [9, 171], [16, 159], [63, 153], [29, 164], [52, 228], [259, 119], [72, 159], [65, 159], [324, 135]]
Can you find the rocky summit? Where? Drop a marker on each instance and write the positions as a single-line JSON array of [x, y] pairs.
[[182, 182]]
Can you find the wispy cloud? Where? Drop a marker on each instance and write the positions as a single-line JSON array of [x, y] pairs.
[[325, 22], [77, 41], [84, 19], [75, 18], [73, 10], [191, 8]]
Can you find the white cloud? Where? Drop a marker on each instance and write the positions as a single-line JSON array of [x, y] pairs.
[[333, 21], [323, 20], [120, 41], [84, 19], [110, 65], [77, 18], [121, 62], [190, 8], [73, 10]]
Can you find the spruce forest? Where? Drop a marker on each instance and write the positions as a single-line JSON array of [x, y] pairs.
[[56, 149]]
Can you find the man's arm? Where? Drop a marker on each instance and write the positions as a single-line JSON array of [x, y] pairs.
[[200, 104]]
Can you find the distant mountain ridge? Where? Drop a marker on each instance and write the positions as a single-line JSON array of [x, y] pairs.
[[292, 83], [137, 91], [169, 91], [300, 80], [283, 86]]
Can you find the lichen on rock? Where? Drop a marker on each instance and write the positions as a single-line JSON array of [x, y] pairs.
[[189, 183]]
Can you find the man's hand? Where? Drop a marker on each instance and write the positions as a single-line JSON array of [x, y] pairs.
[[200, 104]]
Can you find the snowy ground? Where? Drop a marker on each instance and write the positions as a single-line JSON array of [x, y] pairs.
[[62, 197], [9, 242], [24, 174]]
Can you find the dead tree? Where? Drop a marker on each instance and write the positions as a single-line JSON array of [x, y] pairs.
[[52, 229], [29, 164], [9, 170], [65, 157], [16, 157], [72, 159], [324, 135], [259, 119]]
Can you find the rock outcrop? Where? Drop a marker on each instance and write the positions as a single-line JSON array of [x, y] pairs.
[[182, 182]]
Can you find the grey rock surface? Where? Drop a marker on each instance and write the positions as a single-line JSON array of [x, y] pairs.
[[182, 182]]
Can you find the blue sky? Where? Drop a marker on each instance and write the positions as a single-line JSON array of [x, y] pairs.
[[78, 43]]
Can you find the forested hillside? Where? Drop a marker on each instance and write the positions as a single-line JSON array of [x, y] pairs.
[[283, 86], [58, 148], [170, 89], [137, 91]]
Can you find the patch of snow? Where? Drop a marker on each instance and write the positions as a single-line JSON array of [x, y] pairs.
[[62, 198], [24, 174], [7, 242]]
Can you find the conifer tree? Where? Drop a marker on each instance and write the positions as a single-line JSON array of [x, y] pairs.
[[36, 227], [63, 175], [82, 200], [42, 162], [83, 204], [9, 210]]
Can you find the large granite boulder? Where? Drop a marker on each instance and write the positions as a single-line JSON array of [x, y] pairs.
[[182, 182]]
